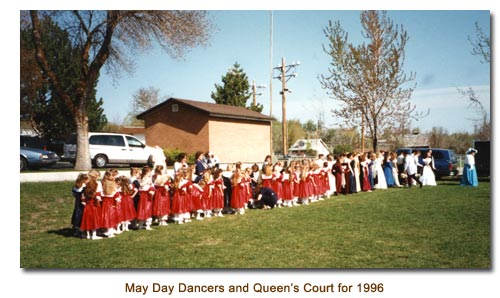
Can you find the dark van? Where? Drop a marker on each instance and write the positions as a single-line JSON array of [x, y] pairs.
[[445, 160]]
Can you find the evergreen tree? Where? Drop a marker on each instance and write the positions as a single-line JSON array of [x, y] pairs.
[[235, 90], [40, 104]]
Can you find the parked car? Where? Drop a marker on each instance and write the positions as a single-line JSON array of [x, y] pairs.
[[445, 160], [112, 148], [34, 158], [38, 142]]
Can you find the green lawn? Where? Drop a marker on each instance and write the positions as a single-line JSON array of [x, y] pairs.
[[447, 226]]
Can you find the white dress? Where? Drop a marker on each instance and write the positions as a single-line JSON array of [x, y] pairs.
[[381, 182], [428, 177], [395, 172]]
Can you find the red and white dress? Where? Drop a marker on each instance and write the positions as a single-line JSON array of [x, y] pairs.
[[218, 194], [287, 187], [128, 209], [161, 200], [145, 206], [180, 197], [267, 180], [109, 218], [91, 217], [207, 195], [196, 194], [239, 195], [277, 185]]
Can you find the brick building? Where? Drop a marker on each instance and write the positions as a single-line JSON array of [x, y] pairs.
[[232, 133]]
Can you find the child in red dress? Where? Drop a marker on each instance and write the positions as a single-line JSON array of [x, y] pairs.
[[218, 193], [179, 197], [238, 192], [207, 184], [91, 217], [110, 196], [146, 192], [161, 200], [287, 180], [127, 192]]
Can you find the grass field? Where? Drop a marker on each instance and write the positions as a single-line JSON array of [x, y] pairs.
[[447, 226]]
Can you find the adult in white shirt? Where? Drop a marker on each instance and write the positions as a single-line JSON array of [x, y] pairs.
[[411, 167]]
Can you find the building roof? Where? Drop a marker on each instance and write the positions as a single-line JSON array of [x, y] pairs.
[[214, 110]]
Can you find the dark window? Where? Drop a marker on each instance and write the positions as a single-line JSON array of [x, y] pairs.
[[133, 142], [107, 140]]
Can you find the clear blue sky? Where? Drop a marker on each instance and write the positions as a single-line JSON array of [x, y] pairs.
[[438, 52]]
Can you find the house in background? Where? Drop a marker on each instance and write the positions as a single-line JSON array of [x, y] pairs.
[[138, 132], [231, 133], [302, 146]]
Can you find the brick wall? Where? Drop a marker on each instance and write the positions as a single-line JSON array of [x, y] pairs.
[[239, 140], [186, 129]]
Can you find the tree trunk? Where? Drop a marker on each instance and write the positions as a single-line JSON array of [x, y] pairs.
[[83, 162], [374, 136]]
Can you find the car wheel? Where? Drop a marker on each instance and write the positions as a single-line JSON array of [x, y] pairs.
[[100, 161], [23, 164]]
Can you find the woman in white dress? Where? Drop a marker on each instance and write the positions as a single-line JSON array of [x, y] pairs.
[[428, 177], [381, 182], [395, 172]]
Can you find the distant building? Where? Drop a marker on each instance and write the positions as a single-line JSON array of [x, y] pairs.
[[26, 129], [416, 141], [303, 145], [232, 133], [138, 132]]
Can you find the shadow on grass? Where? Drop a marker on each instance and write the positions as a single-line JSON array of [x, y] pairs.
[[65, 232]]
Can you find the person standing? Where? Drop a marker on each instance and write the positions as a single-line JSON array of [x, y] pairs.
[[469, 175], [180, 163], [77, 191], [200, 166], [428, 177], [411, 168], [159, 158]]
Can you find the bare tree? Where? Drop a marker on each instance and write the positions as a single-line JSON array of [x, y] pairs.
[[481, 45], [438, 137], [368, 79], [143, 99], [111, 39], [483, 129]]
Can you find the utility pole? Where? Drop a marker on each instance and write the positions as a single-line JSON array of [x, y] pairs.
[[271, 70], [255, 93], [285, 73], [284, 130]]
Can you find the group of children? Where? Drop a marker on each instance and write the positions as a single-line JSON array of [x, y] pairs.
[[117, 203]]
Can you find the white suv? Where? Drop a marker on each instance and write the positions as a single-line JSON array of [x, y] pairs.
[[112, 148]]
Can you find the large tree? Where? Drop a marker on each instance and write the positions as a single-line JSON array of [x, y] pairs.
[[111, 38], [368, 80], [40, 104], [235, 89]]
